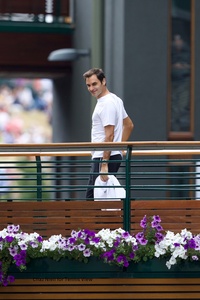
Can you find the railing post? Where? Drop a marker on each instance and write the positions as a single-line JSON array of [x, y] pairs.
[[127, 201], [39, 178]]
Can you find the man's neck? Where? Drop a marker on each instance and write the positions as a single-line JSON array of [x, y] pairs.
[[106, 92]]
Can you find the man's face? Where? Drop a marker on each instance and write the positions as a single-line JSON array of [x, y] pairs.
[[95, 86]]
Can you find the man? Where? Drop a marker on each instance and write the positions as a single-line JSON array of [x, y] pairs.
[[110, 123]]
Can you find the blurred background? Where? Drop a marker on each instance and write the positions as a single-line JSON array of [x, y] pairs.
[[147, 48], [25, 111]]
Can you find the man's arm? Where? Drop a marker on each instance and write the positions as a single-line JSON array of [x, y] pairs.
[[109, 137], [127, 129]]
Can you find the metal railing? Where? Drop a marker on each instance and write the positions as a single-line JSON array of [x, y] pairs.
[[60, 172], [149, 170]]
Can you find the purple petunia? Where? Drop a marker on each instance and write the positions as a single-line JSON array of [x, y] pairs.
[[143, 241], [72, 240], [159, 237], [109, 255], [9, 238], [10, 278], [96, 239], [191, 244], [159, 227], [40, 239], [81, 247], [87, 252], [117, 242], [194, 257], [13, 251], [143, 222], [139, 235], [157, 218]]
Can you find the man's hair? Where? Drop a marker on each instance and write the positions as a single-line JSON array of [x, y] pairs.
[[95, 71]]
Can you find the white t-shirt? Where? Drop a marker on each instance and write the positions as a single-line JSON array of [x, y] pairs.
[[109, 110]]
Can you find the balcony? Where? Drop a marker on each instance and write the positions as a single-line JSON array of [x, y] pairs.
[[154, 175], [53, 16], [43, 190]]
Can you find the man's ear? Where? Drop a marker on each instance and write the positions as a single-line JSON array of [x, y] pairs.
[[104, 81]]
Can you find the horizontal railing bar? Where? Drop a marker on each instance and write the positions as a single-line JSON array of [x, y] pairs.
[[88, 146], [86, 154], [167, 152]]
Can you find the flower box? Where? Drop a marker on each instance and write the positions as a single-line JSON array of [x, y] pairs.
[[86, 254], [45, 268], [65, 268], [156, 268]]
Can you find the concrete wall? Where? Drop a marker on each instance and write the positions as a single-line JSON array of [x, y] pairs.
[[135, 60], [72, 101], [145, 66], [81, 101], [62, 115]]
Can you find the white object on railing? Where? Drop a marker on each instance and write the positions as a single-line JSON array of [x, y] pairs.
[[108, 190]]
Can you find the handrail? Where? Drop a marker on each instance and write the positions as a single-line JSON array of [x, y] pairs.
[[87, 153], [138, 148], [75, 145]]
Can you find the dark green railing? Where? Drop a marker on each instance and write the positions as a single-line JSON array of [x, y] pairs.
[[149, 170]]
